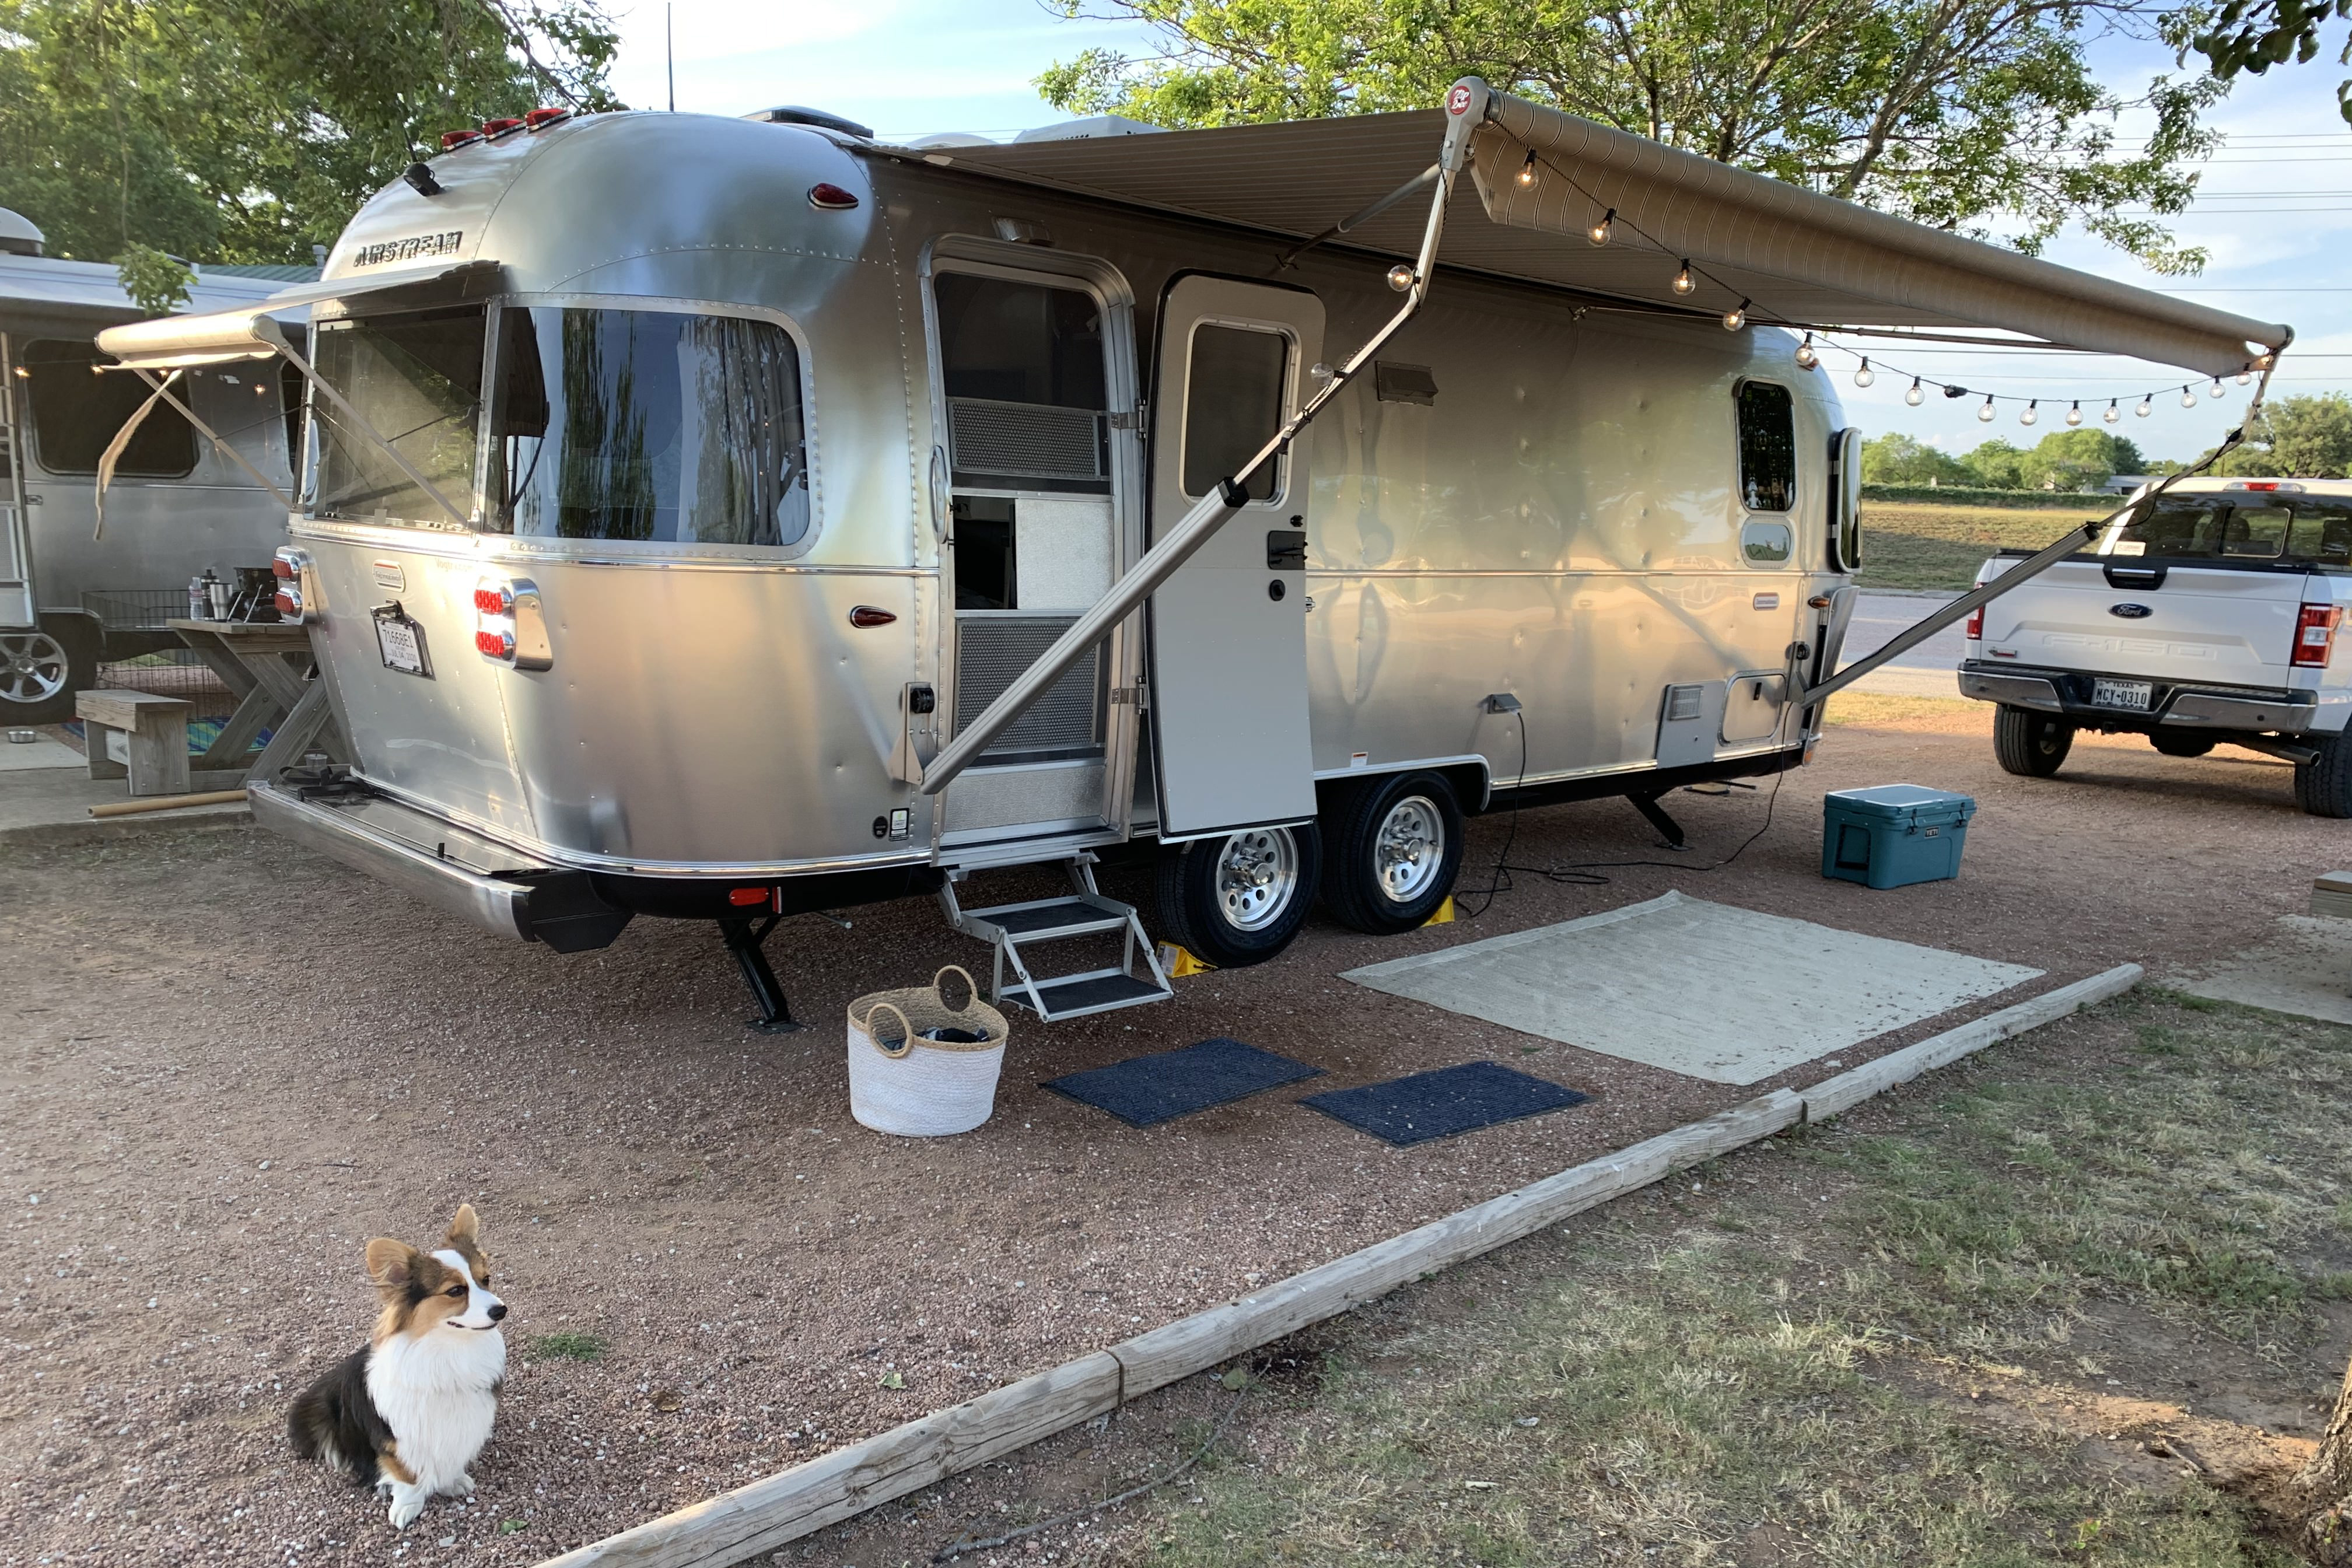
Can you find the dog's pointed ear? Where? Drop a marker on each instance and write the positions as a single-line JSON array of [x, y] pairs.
[[390, 1264], [467, 1228]]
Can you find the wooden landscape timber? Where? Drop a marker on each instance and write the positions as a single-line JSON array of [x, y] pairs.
[[792, 1503]]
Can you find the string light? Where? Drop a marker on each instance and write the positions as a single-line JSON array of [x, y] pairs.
[[2113, 413], [2265, 362], [2075, 414], [1866, 375], [2032, 413], [2188, 398], [2146, 405], [1598, 233], [1806, 357], [1984, 415], [2217, 388], [1684, 282], [1737, 316], [1915, 396], [1401, 277], [1527, 175], [2246, 375]]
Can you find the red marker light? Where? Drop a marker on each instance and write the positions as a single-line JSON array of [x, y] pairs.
[[868, 616], [2315, 634], [540, 119], [747, 898], [500, 127], [827, 197], [453, 140]]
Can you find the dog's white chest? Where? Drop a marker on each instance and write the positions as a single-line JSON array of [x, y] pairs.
[[437, 1394]]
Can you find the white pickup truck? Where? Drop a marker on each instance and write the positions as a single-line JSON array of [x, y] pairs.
[[2207, 614]]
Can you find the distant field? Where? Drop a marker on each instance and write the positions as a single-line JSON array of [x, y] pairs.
[[1923, 544]]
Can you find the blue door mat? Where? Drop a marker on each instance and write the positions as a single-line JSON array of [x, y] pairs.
[[1408, 1110], [1144, 1091]]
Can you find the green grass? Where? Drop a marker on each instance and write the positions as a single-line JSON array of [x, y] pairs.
[[567, 1345], [1764, 1377], [1913, 544]]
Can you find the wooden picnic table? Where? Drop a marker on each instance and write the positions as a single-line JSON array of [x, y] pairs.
[[267, 664]]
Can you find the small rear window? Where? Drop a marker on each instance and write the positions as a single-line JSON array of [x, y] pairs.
[[1767, 448], [2289, 530]]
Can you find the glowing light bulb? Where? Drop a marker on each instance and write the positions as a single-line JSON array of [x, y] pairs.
[[1806, 357], [2032, 413], [1984, 415], [1866, 375], [1684, 282], [2113, 413], [2217, 388], [1401, 277], [2246, 375], [2188, 398], [1598, 233], [1737, 316], [1915, 396], [2146, 405], [2265, 362], [1527, 174], [2075, 414]]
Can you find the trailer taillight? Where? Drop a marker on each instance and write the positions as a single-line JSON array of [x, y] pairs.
[[493, 599], [747, 898], [2315, 634], [289, 566], [511, 625], [494, 644], [1975, 623]]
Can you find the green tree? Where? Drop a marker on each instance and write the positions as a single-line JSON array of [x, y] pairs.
[[1899, 459], [2296, 439], [247, 131], [1997, 466], [1970, 115], [2252, 36], [2073, 460]]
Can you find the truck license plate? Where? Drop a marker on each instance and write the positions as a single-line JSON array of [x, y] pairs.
[[2139, 694]]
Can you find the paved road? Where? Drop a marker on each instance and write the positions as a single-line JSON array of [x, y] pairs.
[[1925, 670]]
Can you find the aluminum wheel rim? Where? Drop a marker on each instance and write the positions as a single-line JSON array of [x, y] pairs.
[[33, 667], [1256, 874], [1408, 848]]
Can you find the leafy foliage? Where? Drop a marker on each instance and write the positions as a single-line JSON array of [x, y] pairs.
[[1961, 114], [158, 284], [2297, 438], [2061, 460], [2252, 36], [248, 132]]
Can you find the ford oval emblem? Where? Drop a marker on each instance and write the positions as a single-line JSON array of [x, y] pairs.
[[2130, 612]]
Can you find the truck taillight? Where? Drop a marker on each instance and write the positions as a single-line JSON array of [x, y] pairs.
[[2315, 634], [1975, 623]]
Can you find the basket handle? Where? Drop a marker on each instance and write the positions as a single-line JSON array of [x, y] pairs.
[[969, 985], [906, 1031]]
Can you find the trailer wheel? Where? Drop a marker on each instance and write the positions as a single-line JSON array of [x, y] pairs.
[[2183, 745], [2030, 743], [41, 669], [1239, 899], [1396, 847], [2323, 786]]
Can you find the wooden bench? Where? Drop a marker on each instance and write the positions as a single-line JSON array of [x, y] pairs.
[[137, 735]]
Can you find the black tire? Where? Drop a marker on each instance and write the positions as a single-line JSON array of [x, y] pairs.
[[2323, 787], [40, 670], [1207, 905], [2182, 746], [1380, 837], [2029, 744]]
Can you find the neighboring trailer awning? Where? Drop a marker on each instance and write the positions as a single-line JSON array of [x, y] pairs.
[[249, 332], [1803, 260]]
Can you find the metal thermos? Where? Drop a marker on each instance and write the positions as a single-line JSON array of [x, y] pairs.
[[197, 601]]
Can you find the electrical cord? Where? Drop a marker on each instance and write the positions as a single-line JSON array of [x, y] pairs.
[[1584, 873]]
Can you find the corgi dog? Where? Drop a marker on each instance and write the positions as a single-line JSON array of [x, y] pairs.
[[408, 1410]]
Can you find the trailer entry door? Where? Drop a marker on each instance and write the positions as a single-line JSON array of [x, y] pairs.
[[1228, 649], [17, 607]]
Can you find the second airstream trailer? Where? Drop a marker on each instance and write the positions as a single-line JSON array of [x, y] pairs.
[[724, 519]]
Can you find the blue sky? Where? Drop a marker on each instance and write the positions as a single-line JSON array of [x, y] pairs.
[[907, 67]]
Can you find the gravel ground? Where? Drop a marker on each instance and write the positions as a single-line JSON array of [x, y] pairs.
[[229, 1063]]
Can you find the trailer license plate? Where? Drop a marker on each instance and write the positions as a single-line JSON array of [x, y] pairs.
[[2139, 694], [399, 639]]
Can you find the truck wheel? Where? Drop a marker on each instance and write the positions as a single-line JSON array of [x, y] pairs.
[[2183, 745], [41, 669], [1239, 899], [1396, 846], [2034, 744], [2324, 786]]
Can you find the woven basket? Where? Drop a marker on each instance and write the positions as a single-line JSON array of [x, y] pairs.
[[903, 1084]]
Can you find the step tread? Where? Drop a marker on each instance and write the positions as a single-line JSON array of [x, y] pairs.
[[1093, 991], [1062, 914]]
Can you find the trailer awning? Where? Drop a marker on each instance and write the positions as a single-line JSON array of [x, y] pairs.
[[1804, 259], [249, 332]]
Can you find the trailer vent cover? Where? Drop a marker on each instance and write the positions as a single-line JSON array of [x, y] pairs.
[[1027, 440], [1685, 702]]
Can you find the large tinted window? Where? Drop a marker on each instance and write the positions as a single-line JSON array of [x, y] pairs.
[[416, 381], [1233, 405], [77, 410], [1767, 448], [649, 425], [2295, 529]]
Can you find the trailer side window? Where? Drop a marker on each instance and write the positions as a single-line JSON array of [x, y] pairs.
[[1233, 404], [416, 381], [1767, 447], [76, 413], [1021, 365], [656, 425]]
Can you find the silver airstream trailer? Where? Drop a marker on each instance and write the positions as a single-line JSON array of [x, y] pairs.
[[725, 519], [69, 596]]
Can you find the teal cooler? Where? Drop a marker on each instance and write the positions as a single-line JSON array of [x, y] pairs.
[[1895, 835]]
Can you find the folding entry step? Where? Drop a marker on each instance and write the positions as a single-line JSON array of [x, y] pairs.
[[1016, 931]]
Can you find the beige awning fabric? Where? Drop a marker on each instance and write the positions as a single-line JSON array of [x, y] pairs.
[[248, 332], [1801, 258]]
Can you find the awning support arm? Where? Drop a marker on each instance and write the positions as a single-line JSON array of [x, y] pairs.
[[1211, 512], [225, 450], [1363, 215]]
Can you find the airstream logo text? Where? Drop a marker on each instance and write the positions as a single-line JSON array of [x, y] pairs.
[[409, 249]]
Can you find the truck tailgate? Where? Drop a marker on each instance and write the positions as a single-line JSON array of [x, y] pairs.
[[2197, 625]]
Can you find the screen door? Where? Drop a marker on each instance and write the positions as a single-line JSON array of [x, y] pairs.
[[1228, 649]]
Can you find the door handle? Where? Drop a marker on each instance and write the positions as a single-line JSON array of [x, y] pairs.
[[939, 494]]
